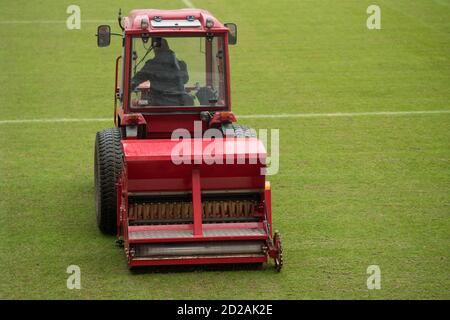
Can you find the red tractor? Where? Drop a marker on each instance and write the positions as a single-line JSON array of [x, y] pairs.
[[176, 179]]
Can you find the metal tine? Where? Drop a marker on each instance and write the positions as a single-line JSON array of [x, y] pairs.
[[245, 207], [191, 210], [204, 209], [169, 208], [186, 210], [177, 210], [146, 211], [138, 211], [223, 209], [251, 208], [161, 210], [216, 209], [131, 213], [207, 209], [154, 209]]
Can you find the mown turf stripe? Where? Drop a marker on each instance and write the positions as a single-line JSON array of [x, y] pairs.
[[248, 116], [188, 3]]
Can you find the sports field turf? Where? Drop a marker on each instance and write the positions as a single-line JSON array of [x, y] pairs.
[[351, 192]]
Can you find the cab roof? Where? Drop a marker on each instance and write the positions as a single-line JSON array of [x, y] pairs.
[[160, 20]]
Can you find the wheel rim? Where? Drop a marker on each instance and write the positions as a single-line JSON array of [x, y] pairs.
[[279, 259]]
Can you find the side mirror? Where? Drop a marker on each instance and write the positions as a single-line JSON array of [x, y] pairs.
[[232, 33], [103, 36]]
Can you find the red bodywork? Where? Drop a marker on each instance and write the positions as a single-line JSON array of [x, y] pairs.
[[149, 169]]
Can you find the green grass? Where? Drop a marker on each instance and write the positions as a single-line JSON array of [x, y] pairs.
[[351, 192]]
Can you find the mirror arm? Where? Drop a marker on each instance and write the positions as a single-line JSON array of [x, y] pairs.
[[119, 19], [113, 34]]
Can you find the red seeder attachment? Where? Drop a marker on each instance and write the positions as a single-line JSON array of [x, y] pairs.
[[195, 213]]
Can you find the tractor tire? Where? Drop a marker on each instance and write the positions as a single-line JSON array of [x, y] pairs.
[[107, 168], [238, 131]]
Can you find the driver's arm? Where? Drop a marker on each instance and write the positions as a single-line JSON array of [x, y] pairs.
[[140, 76]]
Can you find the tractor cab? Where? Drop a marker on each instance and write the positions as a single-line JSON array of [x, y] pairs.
[[172, 61]]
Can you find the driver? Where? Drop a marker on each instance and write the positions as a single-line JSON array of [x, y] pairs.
[[167, 76]]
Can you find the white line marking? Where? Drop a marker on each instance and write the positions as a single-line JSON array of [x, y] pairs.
[[342, 114], [56, 120], [247, 116], [52, 21], [188, 3]]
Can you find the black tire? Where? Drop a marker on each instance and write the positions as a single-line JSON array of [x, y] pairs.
[[107, 168], [238, 131]]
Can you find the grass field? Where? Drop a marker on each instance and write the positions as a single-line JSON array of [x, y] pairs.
[[351, 191]]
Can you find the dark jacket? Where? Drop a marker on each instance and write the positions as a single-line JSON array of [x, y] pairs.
[[167, 76]]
